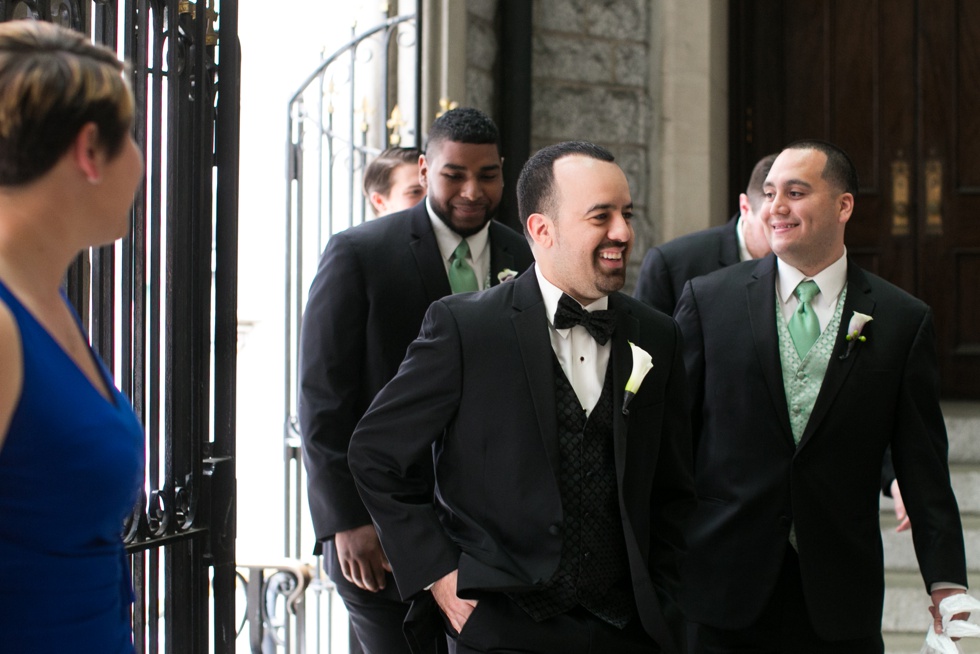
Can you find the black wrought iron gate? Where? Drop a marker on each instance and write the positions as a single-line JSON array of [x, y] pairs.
[[161, 307]]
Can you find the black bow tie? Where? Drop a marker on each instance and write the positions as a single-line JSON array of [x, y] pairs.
[[600, 324]]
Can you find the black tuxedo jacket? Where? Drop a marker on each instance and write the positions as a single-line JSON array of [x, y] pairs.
[[478, 389], [366, 304], [666, 268], [753, 482]]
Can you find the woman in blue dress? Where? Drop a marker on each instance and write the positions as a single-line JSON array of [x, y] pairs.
[[71, 449]]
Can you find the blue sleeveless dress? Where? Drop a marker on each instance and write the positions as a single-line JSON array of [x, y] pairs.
[[70, 471]]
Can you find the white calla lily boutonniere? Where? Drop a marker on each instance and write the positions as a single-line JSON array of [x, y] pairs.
[[854, 332], [506, 275], [642, 363]]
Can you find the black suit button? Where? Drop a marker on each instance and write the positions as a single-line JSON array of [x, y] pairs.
[[554, 530], [785, 520]]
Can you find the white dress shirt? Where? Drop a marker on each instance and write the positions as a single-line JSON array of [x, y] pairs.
[[448, 241], [582, 359]]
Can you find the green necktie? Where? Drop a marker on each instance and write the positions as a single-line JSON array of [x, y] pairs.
[[461, 275], [804, 326]]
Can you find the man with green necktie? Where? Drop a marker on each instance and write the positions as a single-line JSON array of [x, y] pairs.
[[803, 369], [804, 326], [366, 304]]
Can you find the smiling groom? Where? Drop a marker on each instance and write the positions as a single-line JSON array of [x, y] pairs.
[[558, 513]]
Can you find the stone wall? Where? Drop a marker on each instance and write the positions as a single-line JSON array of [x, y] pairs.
[[481, 53], [646, 79], [591, 81]]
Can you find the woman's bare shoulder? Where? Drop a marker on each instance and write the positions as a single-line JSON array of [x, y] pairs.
[[11, 368]]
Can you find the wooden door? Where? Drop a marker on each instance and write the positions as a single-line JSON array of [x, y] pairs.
[[896, 83]]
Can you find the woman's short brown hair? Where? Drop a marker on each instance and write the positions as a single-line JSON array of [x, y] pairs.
[[52, 82]]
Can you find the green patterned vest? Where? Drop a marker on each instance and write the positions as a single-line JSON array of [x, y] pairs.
[[802, 379]]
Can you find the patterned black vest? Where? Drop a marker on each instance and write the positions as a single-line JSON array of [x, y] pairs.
[[593, 571]]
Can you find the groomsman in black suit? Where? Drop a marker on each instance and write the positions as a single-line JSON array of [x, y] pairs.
[[803, 368], [666, 268], [562, 458], [366, 304]]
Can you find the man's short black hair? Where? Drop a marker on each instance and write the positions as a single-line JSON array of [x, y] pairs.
[[464, 125], [757, 180], [536, 185], [839, 170]]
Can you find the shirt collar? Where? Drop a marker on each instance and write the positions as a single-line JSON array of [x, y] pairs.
[[743, 250], [831, 280], [551, 294], [449, 240]]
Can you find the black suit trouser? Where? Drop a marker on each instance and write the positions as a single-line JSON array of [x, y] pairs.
[[499, 626], [376, 619], [783, 628]]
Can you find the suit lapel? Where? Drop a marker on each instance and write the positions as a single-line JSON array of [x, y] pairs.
[[425, 249], [859, 299], [531, 327], [761, 301], [621, 359], [500, 258]]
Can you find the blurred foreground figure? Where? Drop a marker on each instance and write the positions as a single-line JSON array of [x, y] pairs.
[[71, 448]]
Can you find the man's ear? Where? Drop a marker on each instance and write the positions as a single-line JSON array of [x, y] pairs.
[[87, 153], [846, 207], [541, 229], [744, 207], [378, 202], [423, 171]]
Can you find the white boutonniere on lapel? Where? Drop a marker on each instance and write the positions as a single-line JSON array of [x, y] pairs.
[[642, 363], [506, 275], [854, 329]]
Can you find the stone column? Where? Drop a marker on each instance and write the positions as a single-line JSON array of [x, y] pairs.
[[444, 37], [694, 115]]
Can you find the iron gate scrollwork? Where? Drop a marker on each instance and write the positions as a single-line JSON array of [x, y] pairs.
[[363, 97], [161, 306], [67, 13], [338, 118]]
